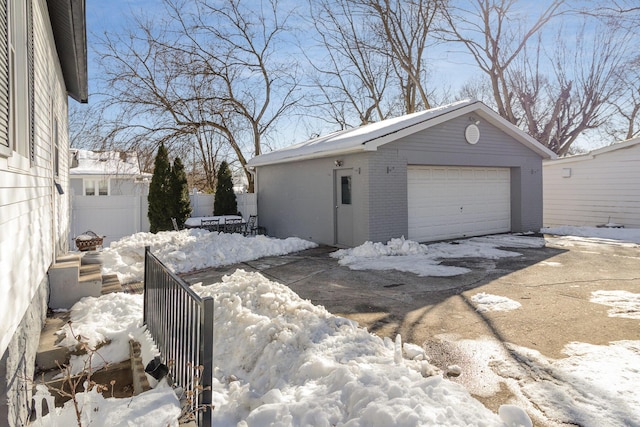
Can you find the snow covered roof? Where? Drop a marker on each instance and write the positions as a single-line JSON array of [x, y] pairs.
[[370, 137], [106, 163], [594, 153]]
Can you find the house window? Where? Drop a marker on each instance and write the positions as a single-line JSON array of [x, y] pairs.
[[96, 187], [345, 183], [17, 82]]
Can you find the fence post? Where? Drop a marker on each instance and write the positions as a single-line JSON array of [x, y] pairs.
[[145, 295], [206, 359]]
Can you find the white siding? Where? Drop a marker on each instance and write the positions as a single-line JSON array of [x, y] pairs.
[[33, 216], [594, 189]]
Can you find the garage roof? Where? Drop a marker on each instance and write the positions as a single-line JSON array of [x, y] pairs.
[[370, 137], [629, 143], [68, 21]]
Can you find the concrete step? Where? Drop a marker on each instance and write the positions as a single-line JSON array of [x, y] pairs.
[[48, 353], [86, 269], [69, 257], [110, 284], [63, 284], [92, 257]]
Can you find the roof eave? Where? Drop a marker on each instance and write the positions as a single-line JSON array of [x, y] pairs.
[[594, 153], [68, 22], [474, 107], [309, 156], [372, 143]]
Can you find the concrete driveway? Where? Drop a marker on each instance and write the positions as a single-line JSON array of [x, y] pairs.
[[553, 284]]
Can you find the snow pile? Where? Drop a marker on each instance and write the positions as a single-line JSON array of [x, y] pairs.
[[597, 234], [487, 302], [595, 385], [425, 260], [395, 247], [157, 407], [625, 304], [281, 360], [106, 324], [192, 249]]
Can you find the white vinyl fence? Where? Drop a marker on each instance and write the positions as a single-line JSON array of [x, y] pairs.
[[117, 216], [111, 216], [202, 204]]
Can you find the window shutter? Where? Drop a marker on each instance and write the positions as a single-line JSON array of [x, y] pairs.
[[4, 76], [31, 72]]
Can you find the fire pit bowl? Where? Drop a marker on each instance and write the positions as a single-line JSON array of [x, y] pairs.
[[88, 241]]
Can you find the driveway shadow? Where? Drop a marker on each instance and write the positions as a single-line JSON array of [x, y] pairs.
[[386, 302]]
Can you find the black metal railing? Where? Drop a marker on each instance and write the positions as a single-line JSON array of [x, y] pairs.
[[181, 324]]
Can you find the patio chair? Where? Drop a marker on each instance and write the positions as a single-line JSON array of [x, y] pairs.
[[210, 224], [252, 227], [233, 226], [175, 224]]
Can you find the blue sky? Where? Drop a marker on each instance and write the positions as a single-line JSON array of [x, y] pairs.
[[450, 66], [108, 16]]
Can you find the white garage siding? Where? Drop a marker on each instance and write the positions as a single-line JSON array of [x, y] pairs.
[[447, 202], [595, 188]]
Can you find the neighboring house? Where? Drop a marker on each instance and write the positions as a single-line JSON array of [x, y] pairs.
[[108, 194], [454, 171], [597, 188], [240, 182], [43, 58]]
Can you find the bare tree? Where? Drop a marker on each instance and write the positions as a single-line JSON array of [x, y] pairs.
[[210, 71], [625, 122], [351, 77], [405, 30], [374, 59], [494, 38], [576, 94], [555, 94]]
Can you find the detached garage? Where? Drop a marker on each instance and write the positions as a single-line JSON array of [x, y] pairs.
[[454, 171], [597, 188]]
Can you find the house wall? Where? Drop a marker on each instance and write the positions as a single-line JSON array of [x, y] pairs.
[[444, 145], [600, 189], [297, 199], [388, 197], [35, 226], [76, 186], [123, 186]]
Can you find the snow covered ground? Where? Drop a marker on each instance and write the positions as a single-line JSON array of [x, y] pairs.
[[281, 360], [616, 236], [424, 260], [192, 249]]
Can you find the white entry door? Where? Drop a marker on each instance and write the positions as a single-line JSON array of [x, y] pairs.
[[446, 202], [344, 208]]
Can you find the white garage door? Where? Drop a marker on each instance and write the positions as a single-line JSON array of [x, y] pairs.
[[446, 202]]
